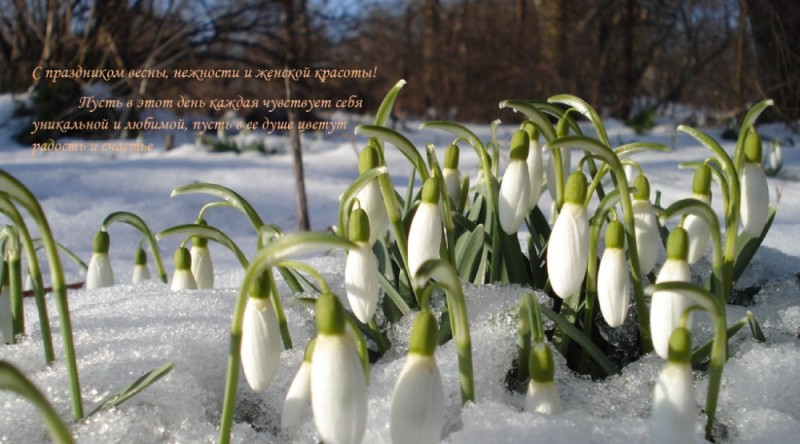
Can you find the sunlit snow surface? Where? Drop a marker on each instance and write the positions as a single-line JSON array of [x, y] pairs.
[[124, 331]]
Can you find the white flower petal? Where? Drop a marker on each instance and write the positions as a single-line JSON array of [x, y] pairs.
[[667, 307], [295, 406], [99, 273], [542, 397], [140, 274], [567, 252], [261, 343], [648, 238], [535, 172], [202, 267], [417, 413], [338, 390], [452, 182], [613, 286], [371, 201], [674, 412], [361, 282], [424, 236], [183, 280], [699, 234], [755, 199], [515, 190]]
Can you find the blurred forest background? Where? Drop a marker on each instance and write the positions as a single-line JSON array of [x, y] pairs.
[[629, 58]]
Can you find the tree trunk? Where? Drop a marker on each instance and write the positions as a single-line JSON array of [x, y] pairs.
[[775, 28]]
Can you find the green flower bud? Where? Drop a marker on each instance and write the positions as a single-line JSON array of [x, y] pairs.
[[520, 144], [101, 242], [368, 159], [183, 259], [330, 315], [261, 286], [430, 191], [359, 226], [451, 157], [702, 181], [680, 346], [576, 188], [615, 235], [424, 334], [140, 257], [540, 364], [752, 147], [533, 132], [642, 188], [678, 244]]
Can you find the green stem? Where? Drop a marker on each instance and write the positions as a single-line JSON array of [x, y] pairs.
[[18, 192], [138, 223]]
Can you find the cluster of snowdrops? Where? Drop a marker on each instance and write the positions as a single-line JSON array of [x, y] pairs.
[[410, 255]]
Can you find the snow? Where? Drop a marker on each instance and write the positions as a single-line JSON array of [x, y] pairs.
[[124, 331]]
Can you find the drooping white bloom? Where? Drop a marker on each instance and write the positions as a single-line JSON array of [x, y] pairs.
[[674, 412], [535, 171], [567, 251], [667, 307], [140, 271], [451, 174], [417, 412], [566, 159], [202, 266], [542, 396], [298, 398], [613, 282], [515, 188], [183, 279], [361, 269], [370, 197], [261, 343], [338, 386], [699, 233], [425, 234], [755, 199], [99, 273], [754, 205], [645, 226]]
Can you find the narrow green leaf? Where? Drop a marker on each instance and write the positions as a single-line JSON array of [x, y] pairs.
[[534, 114], [468, 249], [573, 332], [746, 247], [37, 242], [141, 383], [237, 201], [385, 109], [755, 327]]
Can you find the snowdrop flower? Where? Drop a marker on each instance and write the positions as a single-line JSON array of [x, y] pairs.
[[298, 397], [6, 321], [451, 174], [567, 252], [261, 338], [696, 227], [566, 160], [515, 189], [542, 396], [417, 412], [755, 191], [645, 226], [613, 283], [99, 274], [370, 196], [667, 307], [202, 266], [425, 234], [183, 279], [140, 271], [338, 385], [361, 269], [535, 169], [674, 411]]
